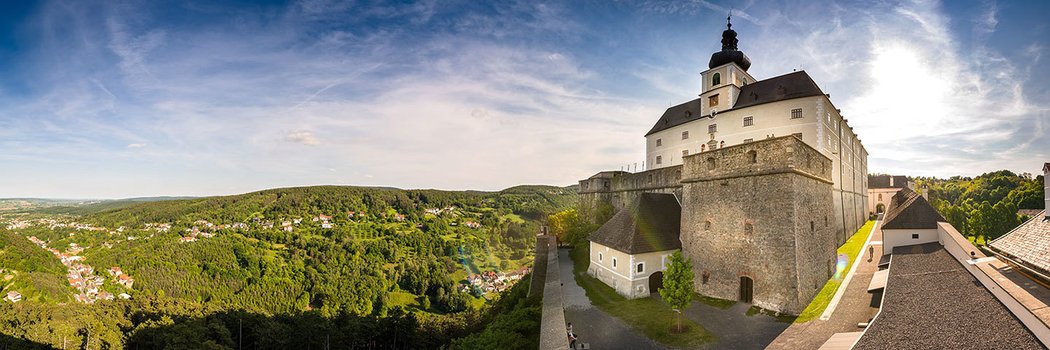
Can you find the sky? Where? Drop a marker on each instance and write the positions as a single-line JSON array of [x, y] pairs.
[[108, 99]]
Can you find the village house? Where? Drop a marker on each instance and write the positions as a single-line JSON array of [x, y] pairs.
[[629, 252], [125, 281], [13, 296]]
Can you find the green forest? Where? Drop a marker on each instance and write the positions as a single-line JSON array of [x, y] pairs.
[[984, 207], [321, 265]]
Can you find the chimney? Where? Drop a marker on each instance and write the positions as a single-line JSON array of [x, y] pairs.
[[1046, 191]]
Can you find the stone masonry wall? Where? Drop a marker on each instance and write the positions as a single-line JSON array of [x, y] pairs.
[[758, 210], [618, 188]]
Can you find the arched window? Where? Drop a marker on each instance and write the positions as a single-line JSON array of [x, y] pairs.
[[703, 148], [716, 79], [753, 156], [721, 144], [707, 225]]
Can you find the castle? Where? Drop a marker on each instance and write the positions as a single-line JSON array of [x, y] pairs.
[[770, 180]]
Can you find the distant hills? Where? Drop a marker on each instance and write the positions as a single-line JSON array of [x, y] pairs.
[[286, 266]]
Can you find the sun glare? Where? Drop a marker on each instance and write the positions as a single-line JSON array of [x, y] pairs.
[[908, 89]]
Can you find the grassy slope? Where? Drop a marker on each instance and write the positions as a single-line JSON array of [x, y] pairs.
[[851, 248], [648, 315]]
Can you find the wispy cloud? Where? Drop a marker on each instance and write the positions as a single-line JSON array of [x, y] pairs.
[[481, 97], [302, 136]]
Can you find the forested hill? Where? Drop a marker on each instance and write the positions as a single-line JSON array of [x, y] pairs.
[[532, 202], [433, 262], [985, 206]]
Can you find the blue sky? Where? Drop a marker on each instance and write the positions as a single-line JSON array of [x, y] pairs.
[[120, 99]]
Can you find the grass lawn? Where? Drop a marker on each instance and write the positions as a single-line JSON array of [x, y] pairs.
[[648, 315], [405, 299], [714, 302], [515, 218], [851, 248]]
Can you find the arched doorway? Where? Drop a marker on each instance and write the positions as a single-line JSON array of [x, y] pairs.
[[747, 289], [656, 281], [880, 208]]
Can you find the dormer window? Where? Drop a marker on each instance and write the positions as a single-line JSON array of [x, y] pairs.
[[716, 79]]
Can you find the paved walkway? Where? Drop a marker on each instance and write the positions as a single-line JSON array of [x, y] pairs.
[[733, 328], [856, 306], [552, 323], [591, 325]]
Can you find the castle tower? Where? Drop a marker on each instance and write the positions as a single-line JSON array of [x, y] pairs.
[[726, 73], [757, 222]]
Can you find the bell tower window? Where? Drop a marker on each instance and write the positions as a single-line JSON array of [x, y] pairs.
[[716, 79]]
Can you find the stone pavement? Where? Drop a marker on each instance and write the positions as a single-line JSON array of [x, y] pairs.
[[552, 324], [856, 306]]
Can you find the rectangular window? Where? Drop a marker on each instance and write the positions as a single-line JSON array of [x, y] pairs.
[[713, 128], [600, 256], [712, 101], [798, 135], [641, 268], [659, 142], [685, 135], [614, 262], [749, 140], [796, 113], [749, 121], [914, 236], [659, 160], [685, 152]]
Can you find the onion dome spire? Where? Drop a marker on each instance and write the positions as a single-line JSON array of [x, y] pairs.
[[729, 52]]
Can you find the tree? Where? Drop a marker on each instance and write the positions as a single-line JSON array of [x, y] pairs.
[[677, 288]]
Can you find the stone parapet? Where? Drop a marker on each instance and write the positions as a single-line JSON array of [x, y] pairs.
[[786, 154]]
